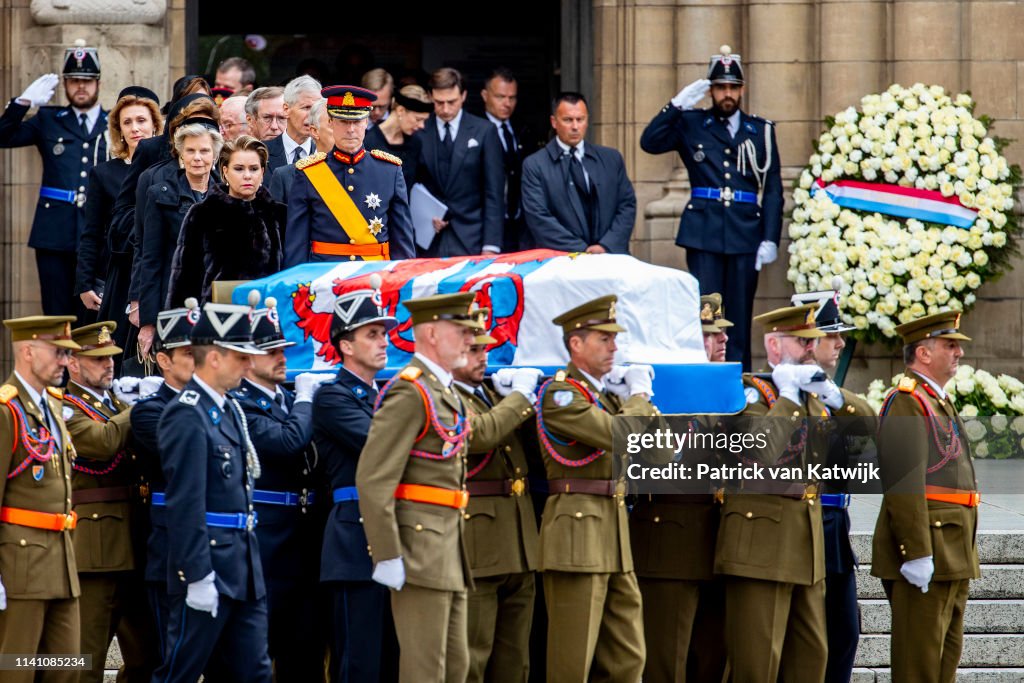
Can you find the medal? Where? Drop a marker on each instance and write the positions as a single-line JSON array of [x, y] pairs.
[[58, 149]]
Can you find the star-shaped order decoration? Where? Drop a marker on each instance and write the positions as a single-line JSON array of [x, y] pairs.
[[372, 201], [375, 226]]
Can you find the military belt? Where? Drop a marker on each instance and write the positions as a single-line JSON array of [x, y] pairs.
[[338, 249], [344, 494], [50, 521], [593, 487], [225, 520], [726, 194], [59, 195], [941, 494], [109, 494], [774, 488], [433, 495], [835, 500], [283, 498], [498, 487]]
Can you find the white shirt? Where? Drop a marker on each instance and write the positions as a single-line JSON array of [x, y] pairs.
[[596, 383], [453, 125], [373, 384], [37, 399], [91, 115], [500, 125], [733, 123], [290, 145], [218, 398], [443, 376], [935, 385], [566, 149]]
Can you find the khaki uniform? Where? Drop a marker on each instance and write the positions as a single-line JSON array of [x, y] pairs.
[[37, 566], [927, 628], [503, 547], [430, 610]]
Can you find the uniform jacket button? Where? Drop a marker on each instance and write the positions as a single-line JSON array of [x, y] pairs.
[[213, 541]]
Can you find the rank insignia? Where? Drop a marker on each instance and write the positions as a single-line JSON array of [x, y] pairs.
[[372, 201], [104, 335], [375, 226], [563, 398], [189, 398], [67, 413], [263, 402], [907, 385], [215, 415], [38, 471], [7, 392], [752, 396], [359, 392]]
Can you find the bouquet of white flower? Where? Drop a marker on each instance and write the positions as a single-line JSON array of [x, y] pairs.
[[909, 201]]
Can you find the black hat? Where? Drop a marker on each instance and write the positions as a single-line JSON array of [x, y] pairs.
[[220, 93], [827, 316], [226, 325], [352, 310], [348, 102], [174, 327], [139, 91], [266, 325], [725, 67], [81, 61]]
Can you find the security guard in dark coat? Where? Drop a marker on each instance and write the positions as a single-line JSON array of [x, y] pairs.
[[214, 574], [38, 579], [364, 646], [111, 499], [71, 140], [732, 223], [925, 544], [351, 203], [290, 528]]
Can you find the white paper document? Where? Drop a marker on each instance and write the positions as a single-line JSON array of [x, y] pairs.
[[424, 208]]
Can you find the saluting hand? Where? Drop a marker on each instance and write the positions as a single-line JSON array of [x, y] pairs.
[[688, 97], [40, 92]]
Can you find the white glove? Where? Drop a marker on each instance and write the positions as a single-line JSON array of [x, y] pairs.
[[41, 90], [3, 597], [524, 380], [767, 252], [126, 389], [615, 381], [307, 383], [390, 573], [919, 572], [790, 378], [502, 380], [202, 595], [688, 97], [638, 379], [150, 385], [827, 391]]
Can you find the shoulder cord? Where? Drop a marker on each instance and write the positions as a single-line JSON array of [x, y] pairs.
[[453, 435], [954, 446], [545, 437], [252, 460], [29, 441], [79, 463], [793, 449], [747, 156]]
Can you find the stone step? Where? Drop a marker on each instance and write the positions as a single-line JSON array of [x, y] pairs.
[[963, 675], [994, 547], [981, 616], [980, 650], [997, 582]]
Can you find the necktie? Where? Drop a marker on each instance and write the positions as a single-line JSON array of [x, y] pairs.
[[279, 400], [509, 139], [109, 404], [48, 420], [576, 169], [479, 393], [444, 157], [84, 124], [298, 153], [728, 128]]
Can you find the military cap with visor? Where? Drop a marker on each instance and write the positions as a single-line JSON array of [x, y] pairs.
[[712, 314], [725, 67], [942, 325], [228, 326], [597, 314], [795, 321], [53, 329], [95, 339], [81, 61], [174, 326], [348, 102], [360, 307]]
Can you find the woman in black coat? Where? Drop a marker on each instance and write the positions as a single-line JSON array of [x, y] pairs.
[[235, 233], [409, 112]]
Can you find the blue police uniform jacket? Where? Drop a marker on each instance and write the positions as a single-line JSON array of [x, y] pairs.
[[378, 190], [145, 420], [289, 535], [203, 454], [342, 411], [712, 159], [58, 224]]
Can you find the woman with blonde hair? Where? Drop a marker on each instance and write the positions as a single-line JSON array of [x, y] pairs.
[[409, 112]]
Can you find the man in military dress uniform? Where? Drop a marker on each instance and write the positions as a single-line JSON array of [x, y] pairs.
[[110, 490], [71, 141], [714, 325], [411, 483], [595, 624], [363, 642], [732, 223], [925, 543], [290, 528], [214, 575], [350, 203], [501, 533], [38, 579], [769, 546]]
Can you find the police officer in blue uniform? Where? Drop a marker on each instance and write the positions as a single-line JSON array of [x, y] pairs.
[[216, 593], [71, 140], [351, 203], [732, 223], [290, 529], [364, 646]]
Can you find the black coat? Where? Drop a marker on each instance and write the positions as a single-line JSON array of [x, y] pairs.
[[408, 152], [223, 238], [94, 248]]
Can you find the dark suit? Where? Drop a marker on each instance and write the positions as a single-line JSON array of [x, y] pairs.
[[281, 183], [276, 156], [363, 642], [473, 190], [555, 212], [58, 223], [722, 237], [515, 237]]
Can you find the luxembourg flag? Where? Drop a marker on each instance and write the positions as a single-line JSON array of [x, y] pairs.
[[929, 206]]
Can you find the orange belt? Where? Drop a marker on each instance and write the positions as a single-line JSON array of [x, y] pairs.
[[338, 249], [971, 499], [51, 521], [434, 495]]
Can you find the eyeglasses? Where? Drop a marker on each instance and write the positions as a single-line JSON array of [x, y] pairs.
[[58, 351], [270, 118]]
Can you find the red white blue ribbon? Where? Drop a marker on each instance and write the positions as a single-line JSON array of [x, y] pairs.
[[929, 206]]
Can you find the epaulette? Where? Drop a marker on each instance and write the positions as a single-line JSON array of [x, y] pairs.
[[560, 376], [56, 392], [385, 156], [189, 398], [761, 119], [411, 373], [310, 160], [907, 385], [7, 392]]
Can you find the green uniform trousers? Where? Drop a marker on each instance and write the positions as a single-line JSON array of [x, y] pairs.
[[116, 603], [595, 627], [431, 629], [927, 630], [684, 627], [500, 613], [44, 627], [775, 631]]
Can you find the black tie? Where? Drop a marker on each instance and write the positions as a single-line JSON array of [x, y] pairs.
[[510, 142], [84, 123], [299, 153], [51, 426], [279, 400], [479, 393], [109, 404], [444, 157], [579, 179]]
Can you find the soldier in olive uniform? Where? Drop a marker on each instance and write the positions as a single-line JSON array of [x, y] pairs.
[[108, 497], [769, 544], [925, 544], [38, 579], [501, 535], [594, 607], [714, 325], [411, 483]]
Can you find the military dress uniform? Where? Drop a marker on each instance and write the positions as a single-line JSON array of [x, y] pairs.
[[68, 154], [37, 556], [110, 497], [930, 509], [736, 198], [348, 206]]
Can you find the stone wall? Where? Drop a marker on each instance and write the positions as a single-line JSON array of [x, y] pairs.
[[805, 60]]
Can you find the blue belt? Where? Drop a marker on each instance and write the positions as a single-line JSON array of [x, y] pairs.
[[226, 520], [283, 498], [835, 500], [69, 196], [726, 195], [345, 494]]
